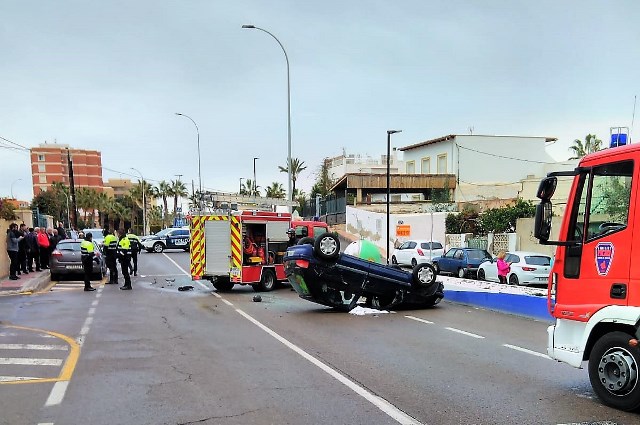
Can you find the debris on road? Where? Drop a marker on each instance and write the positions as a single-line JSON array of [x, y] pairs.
[[185, 288], [257, 298], [363, 311]]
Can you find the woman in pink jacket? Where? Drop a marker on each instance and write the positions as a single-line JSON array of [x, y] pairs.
[[503, 267]]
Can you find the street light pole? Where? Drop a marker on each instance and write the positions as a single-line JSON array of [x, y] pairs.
[[199, 169], [144, 203], [240, 191], [12, 183], [255, 186], [288, 105], [389, 133]]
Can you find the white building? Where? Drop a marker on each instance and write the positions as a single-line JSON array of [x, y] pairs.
[[486, 167], [352, 163]]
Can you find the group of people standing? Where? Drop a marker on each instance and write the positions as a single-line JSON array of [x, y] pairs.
[[123, 248], [29, 246]]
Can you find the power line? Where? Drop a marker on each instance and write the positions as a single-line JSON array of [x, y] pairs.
[[506, 157], [15, 144]]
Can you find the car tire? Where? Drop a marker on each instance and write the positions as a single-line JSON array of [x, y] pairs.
[[462, 273], [267, 281], [306, 241], [513, 279], [413, 262], [424, 275], [394, 260], [327, 246], [223, 284], [481, 275], [158, 248], [611, 365]]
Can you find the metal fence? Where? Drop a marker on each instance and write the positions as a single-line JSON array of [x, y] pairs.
[[329, 206]]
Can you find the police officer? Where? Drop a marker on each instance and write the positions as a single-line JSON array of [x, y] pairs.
[[86, 251], [136, 247], [124, 255], [111, 255], [292, 237]]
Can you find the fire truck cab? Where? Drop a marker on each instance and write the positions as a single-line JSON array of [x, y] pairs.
[[594, 286], [243, 247]]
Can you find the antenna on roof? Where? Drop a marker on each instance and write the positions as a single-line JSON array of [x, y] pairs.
[[633, 117], [470, 128]]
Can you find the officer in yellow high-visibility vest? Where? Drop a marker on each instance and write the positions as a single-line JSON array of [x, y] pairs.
[[124, 255], [111, 255], [87, 253], [136, 247]]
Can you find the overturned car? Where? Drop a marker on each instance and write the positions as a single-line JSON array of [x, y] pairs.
[[320, 273]]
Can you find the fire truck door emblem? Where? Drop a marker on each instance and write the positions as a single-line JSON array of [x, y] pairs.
[[604, 257]]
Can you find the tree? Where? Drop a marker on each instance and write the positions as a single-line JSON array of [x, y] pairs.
[[323, 183], [164, 191], [250, 188], [275, 191], [7, 211], [591, 144], [466, 221], [178, 190], [297, 167], [501, 220]]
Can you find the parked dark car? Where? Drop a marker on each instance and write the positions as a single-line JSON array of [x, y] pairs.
[[66, 262], [461, 262], [321, 274]]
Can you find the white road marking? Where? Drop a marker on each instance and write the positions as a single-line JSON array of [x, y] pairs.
[[99, 294], [94, 303], [382, 404], [417, 319], [185, 272], [30, 362], [524, 350], [465, 333], [46, 423], [227, 302], [217, 295], [57, 393], [32, 347], [16, 378], [88, 321], [92, 311]]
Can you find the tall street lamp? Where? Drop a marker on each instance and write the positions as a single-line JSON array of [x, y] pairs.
[[144, 203], [288, 104], [255, 186], [12, 183], [389, 133], [199, 169]]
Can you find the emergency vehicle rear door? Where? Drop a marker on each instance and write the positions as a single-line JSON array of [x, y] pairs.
[[217, 237]]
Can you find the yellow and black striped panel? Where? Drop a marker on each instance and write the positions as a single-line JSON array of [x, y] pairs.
[[236, 246], [198, 243]]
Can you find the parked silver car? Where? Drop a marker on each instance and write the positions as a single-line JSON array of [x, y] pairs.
[[66, 261]]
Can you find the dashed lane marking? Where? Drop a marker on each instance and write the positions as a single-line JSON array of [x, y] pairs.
[[32, 347], [185, 272], [465, 333], [524, 350], [417, 319]]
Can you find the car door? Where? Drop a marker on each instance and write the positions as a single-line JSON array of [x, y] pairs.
[[401, 253], [490, 268], [446, 262], [410, 252], [180, 238]]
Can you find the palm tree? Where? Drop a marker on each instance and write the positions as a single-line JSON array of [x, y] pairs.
[[164, 191], [250, 188], [178, 190], [591, 144], [297, 167], [275, 191], [101, 201]]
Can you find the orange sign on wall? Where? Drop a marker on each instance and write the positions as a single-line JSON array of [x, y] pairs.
[[403, 230]]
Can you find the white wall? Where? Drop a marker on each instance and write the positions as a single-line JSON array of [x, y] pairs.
[[373, 226]]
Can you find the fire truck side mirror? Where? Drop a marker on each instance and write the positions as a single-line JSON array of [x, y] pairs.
[[542, 227], [547, 188]]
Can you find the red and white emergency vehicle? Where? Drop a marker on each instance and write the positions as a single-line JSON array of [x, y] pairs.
[[594, 284], [244, 247]]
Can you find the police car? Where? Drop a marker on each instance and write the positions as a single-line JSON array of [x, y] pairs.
[[169, 238]]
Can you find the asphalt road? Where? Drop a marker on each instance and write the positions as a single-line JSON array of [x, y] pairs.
[[155, 355]]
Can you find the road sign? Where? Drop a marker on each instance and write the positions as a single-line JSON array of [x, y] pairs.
[[403, 230]]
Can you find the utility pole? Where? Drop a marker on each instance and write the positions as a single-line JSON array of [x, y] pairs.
[[74, 216]]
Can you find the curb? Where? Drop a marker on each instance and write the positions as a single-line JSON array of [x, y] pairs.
[[41, 283], [522, 305]]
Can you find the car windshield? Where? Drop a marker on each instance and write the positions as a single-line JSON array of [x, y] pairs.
[[318, 230], [431, 245], [96, 233], [164, 232], [68, 246], [538, 260], [478, 254]]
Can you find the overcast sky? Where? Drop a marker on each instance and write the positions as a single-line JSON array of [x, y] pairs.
[[109, 75]]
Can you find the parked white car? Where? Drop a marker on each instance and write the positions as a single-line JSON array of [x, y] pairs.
[[527, 268], [414, 252]]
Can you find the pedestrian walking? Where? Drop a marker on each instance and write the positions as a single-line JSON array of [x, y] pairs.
[[33, 254], [13, 239], [136, 247], [503, 267], [22, 250], [124, 255], [43, 247], [87, 253], [111, 255]]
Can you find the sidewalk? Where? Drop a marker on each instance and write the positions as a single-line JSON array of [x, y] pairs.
[[27, 284]]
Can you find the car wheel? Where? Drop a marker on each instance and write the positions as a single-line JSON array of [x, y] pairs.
[[306, 241], [267, 282], [394, 260], [436, 268], [223, 284], [462, 272], [613, 371], [424, 275], [513, 280], [327, 246], [158, 247], [481, 275], [413, 262]]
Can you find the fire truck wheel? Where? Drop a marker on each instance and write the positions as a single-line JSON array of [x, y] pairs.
[[327, 246], [267, 282], [223, 284], [613, 371], [306, 241]]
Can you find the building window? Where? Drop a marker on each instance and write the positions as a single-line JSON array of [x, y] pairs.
[[43, 188], [425, 166], [42, 179], [40, 157], [411, 167], [41, 168], [442, 164]]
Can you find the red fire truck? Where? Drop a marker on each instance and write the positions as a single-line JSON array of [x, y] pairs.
[[244, 247], [594, 284]]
